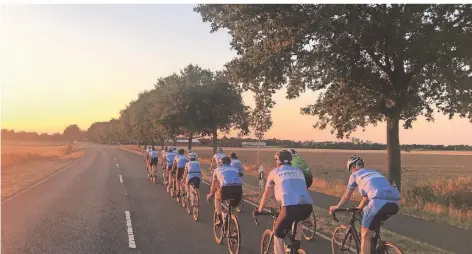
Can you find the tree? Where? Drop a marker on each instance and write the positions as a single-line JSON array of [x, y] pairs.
[[260, 119], [72, 132], [372, 63]]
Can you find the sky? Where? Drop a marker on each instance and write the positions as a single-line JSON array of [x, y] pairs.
[[78, 64]]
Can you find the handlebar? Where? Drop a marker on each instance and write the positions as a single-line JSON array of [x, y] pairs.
[[271, 213], [349, 210]]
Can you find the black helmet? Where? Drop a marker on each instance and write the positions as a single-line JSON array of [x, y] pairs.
[[233, 155], [154, 149], [293, 151], [181, 151], [283, 157], [225, 160]]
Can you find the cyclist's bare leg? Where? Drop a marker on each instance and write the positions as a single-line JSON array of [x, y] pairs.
[[366, 240], [279, 247], [298, 235]]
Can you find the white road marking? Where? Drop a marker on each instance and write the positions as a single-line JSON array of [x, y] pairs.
[[131, 240], [121, 178], [10, 198], [117, 165], [115, 158], [126, 193], [267, 210]]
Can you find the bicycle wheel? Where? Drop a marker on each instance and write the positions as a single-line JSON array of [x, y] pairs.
[[195, 208], [234, 236], [388, 248], [183, 197], [309, 227], [300, 251], [343, 241], [189, 203], [217, 231], [266, 242]]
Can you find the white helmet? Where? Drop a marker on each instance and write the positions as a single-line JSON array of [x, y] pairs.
[[220, 149], [354, 159]]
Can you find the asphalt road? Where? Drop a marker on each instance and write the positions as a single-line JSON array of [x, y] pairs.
[[83, 208]]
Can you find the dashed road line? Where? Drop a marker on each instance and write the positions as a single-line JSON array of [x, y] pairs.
[[118, 166], [121, 178], [126, 193], [131, 240]]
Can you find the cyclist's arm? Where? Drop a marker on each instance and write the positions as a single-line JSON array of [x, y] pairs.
[[214, 183], [346, 197], [363, 203], [268, 193]]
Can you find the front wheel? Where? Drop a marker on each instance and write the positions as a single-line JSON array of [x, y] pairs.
[[266, 242], [343, 241], [234, 236], [217, 231], [309, 227], [388, 248]]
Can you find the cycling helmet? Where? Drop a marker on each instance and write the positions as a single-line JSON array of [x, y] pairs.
[[354, 159], [169, 149], [283, 157], [225, 160], [233, 155], [192, 156], [181, 151], [220, 149], [293, 151]]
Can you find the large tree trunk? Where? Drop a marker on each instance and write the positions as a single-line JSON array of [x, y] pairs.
[[393, 152], [190, 138], [215, 139]]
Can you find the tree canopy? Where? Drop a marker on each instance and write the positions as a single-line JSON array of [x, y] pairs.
[[370, 63]]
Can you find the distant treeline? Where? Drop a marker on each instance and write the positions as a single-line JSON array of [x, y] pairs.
[[74, 134]]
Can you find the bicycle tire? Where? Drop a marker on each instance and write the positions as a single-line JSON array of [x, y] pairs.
[[240, 205], [189, 204], [389, 248], [301, 251], [311, 227], [337, 245], [266, 242], [217, 229], [235, 239], [195, 207]]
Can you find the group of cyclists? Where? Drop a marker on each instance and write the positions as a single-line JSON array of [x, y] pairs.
[[288, 182]]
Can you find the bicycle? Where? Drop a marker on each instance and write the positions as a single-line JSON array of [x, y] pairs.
[[240, 206], [230, 222], [351, 234], [309, 227], [268, 236], [192, 207]]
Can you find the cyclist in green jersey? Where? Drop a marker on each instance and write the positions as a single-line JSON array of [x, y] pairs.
[[299, 162]]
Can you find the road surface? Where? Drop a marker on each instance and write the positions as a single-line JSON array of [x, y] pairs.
[[83, 209]]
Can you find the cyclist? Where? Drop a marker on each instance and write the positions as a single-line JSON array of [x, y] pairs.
[[146, 157], [300, 163], [163, 157], [227, 184], [193, 152], [153, 159], [380, 199], [235, 162], [169, 162], [216, 158], [288, 184], [192, 174], [179, 166]]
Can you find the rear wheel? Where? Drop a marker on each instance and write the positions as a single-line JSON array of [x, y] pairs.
[[343, 241], [309, 227], [217, 231], [234, 236], [388, 248], [240, 206], [195, 208], [266, 242]]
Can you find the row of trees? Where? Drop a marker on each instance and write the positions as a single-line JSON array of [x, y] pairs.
[[71, 133], [193, 103]]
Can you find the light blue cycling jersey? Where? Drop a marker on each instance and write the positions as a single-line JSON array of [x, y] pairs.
[[227, 176], [153, 154], [170, 158], [373, 185], [237, 164], [290, 187], [217, 158], [181, 160], [193, 170]]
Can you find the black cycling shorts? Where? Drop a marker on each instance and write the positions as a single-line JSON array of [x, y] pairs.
[[234, 192], [288, 215], [154, 161], [195, 181], [180, 173]]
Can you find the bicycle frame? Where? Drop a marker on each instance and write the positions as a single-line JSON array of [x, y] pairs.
[[289, 235], [352, 229]]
